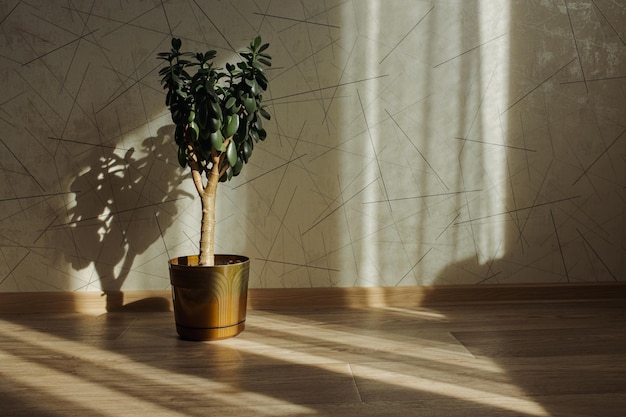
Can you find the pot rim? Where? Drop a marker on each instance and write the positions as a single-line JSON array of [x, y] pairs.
[[221, 260]]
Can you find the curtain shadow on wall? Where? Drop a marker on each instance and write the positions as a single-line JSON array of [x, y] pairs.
[[553, 187]]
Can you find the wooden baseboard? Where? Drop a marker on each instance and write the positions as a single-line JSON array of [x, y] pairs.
[[361, 297], [291, 298]]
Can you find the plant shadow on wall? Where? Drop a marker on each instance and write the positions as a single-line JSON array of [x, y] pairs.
[[125, 201]]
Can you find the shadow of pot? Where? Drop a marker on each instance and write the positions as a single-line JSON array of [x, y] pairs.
[[209, 301]]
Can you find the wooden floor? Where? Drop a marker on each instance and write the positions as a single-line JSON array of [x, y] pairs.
[[542, 359]]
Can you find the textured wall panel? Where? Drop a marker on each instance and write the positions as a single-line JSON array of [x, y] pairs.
[[412, 143]]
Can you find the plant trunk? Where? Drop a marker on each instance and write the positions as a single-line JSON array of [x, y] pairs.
[[207, 230]]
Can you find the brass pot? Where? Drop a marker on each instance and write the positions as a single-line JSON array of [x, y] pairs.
[[209, 301]]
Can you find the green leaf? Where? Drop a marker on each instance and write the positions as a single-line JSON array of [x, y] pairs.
[[254, 86], [237, 167], [176, 44], [215, 108], [262, 134], [242, 132], [250, 104], [256, 43], [265, 114], [179, 134], [230, 103], [194, 131], [262, 81], [231, 153], [235, 109], [214, 124], [204, 134], [177, 116], [201, 117], [227, 175], [246, 152], [182, 156], [265, 62], [258, 123], [232, 127], [217, 141]]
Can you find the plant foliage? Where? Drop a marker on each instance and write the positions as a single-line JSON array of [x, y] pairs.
[[218, 112]]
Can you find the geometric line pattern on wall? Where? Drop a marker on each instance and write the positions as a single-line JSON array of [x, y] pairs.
[[411, 143]]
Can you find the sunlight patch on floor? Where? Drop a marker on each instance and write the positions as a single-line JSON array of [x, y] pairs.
[[374, 373], [110, 370]]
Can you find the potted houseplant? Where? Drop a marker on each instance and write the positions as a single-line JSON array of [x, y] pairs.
[[218, 116]]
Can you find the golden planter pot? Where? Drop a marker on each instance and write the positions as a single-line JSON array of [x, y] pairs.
[[209, 301]]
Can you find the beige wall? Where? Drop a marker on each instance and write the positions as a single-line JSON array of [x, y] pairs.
[[412, 143]]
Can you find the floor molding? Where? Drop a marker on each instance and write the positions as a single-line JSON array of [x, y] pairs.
[[290, 298]]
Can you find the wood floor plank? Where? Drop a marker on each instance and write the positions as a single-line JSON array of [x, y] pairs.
[[544, 342], [532, 359]]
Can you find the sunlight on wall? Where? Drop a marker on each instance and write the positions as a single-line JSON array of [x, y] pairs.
[[432, 139], [494, 17], [360, 173], [369, 106]]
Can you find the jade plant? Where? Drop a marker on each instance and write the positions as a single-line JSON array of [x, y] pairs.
[[218, 116]]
